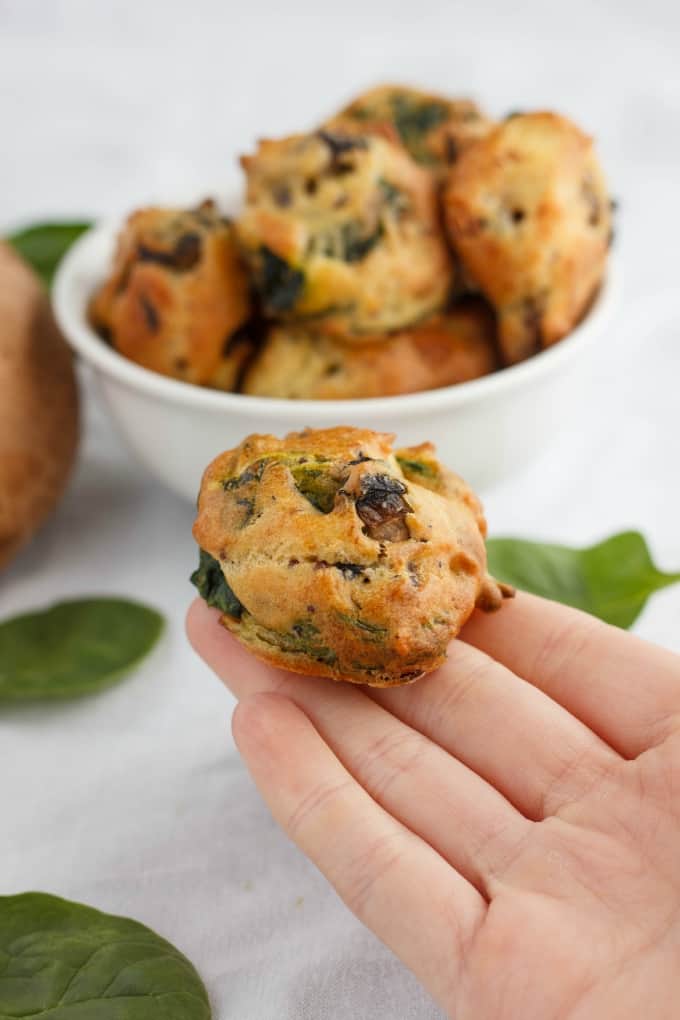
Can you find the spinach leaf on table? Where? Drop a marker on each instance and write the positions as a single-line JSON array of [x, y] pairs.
[[73, 648], [45, 244], [61, 960], [612, 579]]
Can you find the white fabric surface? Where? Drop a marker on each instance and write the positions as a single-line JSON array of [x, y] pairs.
[[135, 801]]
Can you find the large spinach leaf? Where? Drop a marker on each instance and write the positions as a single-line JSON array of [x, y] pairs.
[[73, 648], [612, 579], [44, 245], [61, 960]]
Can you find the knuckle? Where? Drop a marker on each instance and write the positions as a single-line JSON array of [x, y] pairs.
[[388, 758], [367, 871], [464, 674], [563, 644], [318, 800]]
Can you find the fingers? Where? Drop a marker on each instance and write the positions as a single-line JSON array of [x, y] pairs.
[[394, 882], [622, 688], [467, 821], [522, 743]]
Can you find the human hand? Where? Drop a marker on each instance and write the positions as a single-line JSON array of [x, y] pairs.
[[509, 825]]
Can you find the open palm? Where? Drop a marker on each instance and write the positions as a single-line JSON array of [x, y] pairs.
[[509, 826]]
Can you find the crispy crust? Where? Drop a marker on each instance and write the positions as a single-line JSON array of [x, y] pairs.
[[343, 231], [177, 299], [433, 128], [528, 213], [371, 587], [297, 363]]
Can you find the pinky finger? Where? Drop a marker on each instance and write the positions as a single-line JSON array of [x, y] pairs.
[[393, 881]]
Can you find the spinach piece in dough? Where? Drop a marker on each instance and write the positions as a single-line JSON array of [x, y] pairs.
[[213, 587], [279, 283]]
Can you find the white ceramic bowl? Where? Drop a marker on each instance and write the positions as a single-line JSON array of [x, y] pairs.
[[485, 430]]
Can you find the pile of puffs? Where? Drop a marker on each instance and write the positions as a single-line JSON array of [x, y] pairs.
[[408, 243]]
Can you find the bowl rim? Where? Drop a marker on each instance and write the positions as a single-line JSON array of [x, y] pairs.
[[72, 289]]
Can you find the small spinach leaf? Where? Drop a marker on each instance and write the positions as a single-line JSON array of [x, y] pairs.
[[393, 197], [73, 648], [419, 470], [212, 586], [279, 283], [44, 245], [611, 580], [414, 120], [316, 484], [61, 960], [302, 639], [354, 245]]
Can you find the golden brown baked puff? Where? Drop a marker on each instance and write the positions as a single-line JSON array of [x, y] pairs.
[[177, 299], [343, 230], [453, 347], [528, 213], [329, 554], [433, 128]]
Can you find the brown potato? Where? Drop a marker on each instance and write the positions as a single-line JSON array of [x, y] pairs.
[[38, 406]]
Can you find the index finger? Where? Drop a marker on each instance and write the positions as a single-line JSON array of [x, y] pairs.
[[625, 689]]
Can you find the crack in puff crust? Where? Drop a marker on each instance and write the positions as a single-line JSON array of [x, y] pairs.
[[343, 230], [528, 213], [343, 558], [297, 363], [177, 299]]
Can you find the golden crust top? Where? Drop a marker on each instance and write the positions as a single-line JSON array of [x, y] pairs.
[[345, 559], [527, 210], [342, 229], [177, 297]]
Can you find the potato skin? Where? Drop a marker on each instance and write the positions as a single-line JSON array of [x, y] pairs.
[[299, 364], [39, 420], [529, 216]]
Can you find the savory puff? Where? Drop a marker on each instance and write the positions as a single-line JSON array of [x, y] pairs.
[[453, 347], [343, 229], [177, 298], [433, 128], [528, 213], [330, 555]]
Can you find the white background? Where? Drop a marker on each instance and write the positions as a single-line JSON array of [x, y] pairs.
[[134, 801]]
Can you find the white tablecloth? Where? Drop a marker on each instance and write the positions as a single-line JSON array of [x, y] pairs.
[[135, 801]]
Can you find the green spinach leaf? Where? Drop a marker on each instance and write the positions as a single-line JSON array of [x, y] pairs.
[[612, 579], [414, 119], [44, 245], [302, 639], [61, 960], [279, 283], [212, 586], [354, 245], [73, 648]]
